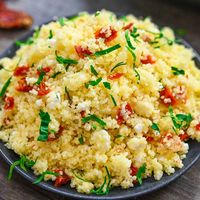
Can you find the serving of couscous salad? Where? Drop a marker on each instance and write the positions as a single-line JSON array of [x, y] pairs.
[[97, 102]]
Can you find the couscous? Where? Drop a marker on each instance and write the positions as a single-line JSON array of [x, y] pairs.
[[97, 101]]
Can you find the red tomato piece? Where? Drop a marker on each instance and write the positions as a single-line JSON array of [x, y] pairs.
[[62, 180], [107, 34], [134, 170], [9, 103], [197, 127], [57, 135], [115, 76], [184, 137], [128, 27], [148, 60], [120, 117], [82, 52], [167, 97], [149, 139], [82, 113], [42, 89], [44, 69], [21, 71], [23, 86]]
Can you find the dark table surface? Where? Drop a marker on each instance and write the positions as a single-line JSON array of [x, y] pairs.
[[176, 15]]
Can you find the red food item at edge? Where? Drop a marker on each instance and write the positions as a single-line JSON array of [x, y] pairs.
[[23, 86], [59, 133], [82, 113], [149, 139], [115, 76], [44, 69], [148, 60], [62, 179], [167, 94], [9, 103], [103, 34], [42, 89], [198, 127], [82, 52], [184, 136], [128, 27], [21, 71]]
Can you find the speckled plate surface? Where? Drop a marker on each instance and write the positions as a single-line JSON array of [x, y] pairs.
[[149, 185]]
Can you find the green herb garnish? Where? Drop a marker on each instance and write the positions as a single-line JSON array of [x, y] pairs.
[[107, 85], [132, 53], [81, 140], [79, 177], [5, 87], [40, 78], [140, 172], [93, 70], [106, 51], [180, 120], [155, 127], [137, 75], [97, 13], [36, 33], [65, 61], [22, 43], [56, 74], [134, 34], [44, 126], [117, 65], [68, 95], [93, 118], [128, 40], [177, 71], [113, 100], [106, 182], [93, 83], [62, 21], [50, 34], [23, 162], [124, 18], [118, 136], [41, 178]]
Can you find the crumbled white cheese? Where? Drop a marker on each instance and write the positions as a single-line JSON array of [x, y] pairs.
[[31, 81], [139, 128], [33, 91], [38, 102]]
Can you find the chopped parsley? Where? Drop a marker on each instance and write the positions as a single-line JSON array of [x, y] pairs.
[[92, 69], [107, 85], [105, 187], [41, 178], [113, 100], [106, 51], [177, 71], [180, 120], [140, 172], [22, 43], [68, 95], [44, 126], [93, 83], [97, 13], [23, 162], [81, 140], [55, 74], [65, 61], [50, 34], [40, 78], [93, 118], [117, 65], [5, 87], [155, 127], [128, 40]]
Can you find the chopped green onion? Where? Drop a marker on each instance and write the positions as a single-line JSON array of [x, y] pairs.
[[137, 75], [65, 61], [117, 65], [44, 126], [132, 53], [5, 87], [93, 70], [62, 21], [81, 140], [118, 136], [97, 13], [113, 100], [128, 40], [106, 51], [23, 162], [93, 83], [134, 34], [22, 43], [155, 127], [40, 78], [93, 118], [80, 178], [36, 33], [107, 85], [124, 18], [177, 71], [68, 96], [41, 178], [56, 74], [50, 34], [140, 172]]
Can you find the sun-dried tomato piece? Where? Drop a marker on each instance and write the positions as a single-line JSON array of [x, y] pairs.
[[149, 138], [23, 86], [82, 53], [197, 127], [44, 69], [167, 97], [9, 103], [134, 170], [82, 113], [42, 89], [120, 116], [63, 179], [107, 34], [148, 60], [21, 71], [184, 136], [115, 76], [128, 27], [57, 135]]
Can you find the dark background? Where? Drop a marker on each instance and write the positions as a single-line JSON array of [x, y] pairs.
[[175, 14]]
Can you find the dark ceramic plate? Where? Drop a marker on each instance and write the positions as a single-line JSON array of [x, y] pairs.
[[149, 185]]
